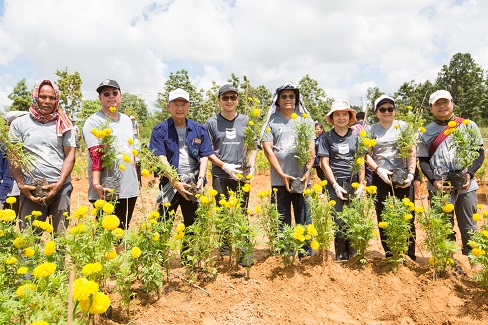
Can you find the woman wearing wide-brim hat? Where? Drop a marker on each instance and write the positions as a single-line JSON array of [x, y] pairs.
[[337, 152]]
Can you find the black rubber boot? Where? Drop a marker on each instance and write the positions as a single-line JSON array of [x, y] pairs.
[[340, 249]]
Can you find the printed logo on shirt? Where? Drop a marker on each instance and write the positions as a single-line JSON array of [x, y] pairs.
[[343, 149], [230, 133]]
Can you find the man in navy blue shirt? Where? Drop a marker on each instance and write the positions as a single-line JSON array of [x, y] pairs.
[[183, 144]]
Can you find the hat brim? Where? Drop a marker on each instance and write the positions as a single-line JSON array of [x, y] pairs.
[[384, 100], [99, 89], [352, 119]]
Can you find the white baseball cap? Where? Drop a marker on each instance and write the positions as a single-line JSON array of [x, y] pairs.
[[383, 99], [438, 95], [178, 93]]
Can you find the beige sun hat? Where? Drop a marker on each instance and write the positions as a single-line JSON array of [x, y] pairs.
[[341, 105]]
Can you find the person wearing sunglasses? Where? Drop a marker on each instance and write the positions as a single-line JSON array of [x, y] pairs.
[[226, 132], [337, 156], [48, 139], [279, 143], [384, 158], [111, 182]]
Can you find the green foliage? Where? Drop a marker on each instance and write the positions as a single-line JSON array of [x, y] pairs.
[[315, 99], [466, 142], [414, 95], [262, 164], [304, 132], [70, 94], [253, 128], [89, 107], [408, 135], [269, 220], [134, 105], [292, 240], [21, 97], [14, 151]]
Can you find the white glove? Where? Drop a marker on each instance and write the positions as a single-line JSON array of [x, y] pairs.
[[359, 191], [383, 174], [251, 171], [408, 180], [232, 170], [339, 191]]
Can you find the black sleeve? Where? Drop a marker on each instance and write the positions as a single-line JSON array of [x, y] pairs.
[[426, 169], [477, 163]]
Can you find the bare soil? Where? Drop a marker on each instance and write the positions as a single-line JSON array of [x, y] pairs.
[[311, 292]]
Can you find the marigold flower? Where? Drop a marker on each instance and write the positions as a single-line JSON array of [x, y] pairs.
[[332, 203], [362, 133], [18, 242], [99, 305], [107, 132], [145, 173], [396, 126], [485, 214], [130, 141], [305, 115], [180, 227], [258, 209], [472, 244], [108, 208], [135, 152], [11, 260], [371, 189], [233, 201], [355, 185], [407, 216], [83, 289], [126, 158], [28, 252], [294, 116], [251, 123], [22, 270], [306, 191], [422, 129], [91, 268], [359, 161], [323, 183], [25, 288], [49, 248], [11, 200], [246, 188], [204, 200], [111, 254], [299, 229], [466, 122], [314, 245], [311, 230], [485, 233], [44, 270], [268, 129], [448, 208], [256, 112], [112, 108], [383, 224], [153, 215], [36, 213], [476, 217], [179, 235], [419, 209], [122, 167], [249, 177], [317, 188], [135, 252], [78, 229], [239, 176], [110, 222], [432, 261], [478, 251]]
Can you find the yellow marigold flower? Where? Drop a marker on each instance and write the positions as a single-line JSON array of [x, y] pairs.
[[407, 216], [256, 112], [294, 116], [422, 129], [7, 215], [452, 124], [355, 185], [249, 211], [300, 229], [306, 191], [110, 222], [432, 261], [18, 242], [22, 270], [11, 200], [485, 214], [122, 167], [367, 142], [448, 208], [99, 204], [478, 251], [323, 183], [167, 204], [118, 233], [44, 270], [268, 129], [91, 268], [108, 208], [409, 107], [472, 244], [411, 206], [419, 209], [154, 215], [362, 133], [78, 229], [153, 221], [332, 203], [135, 152], [249, 177], [485, 233], [49, 248], [94, 131], [308, 237], [359, 161], [135, 252], [405, 201], [239, 176], [179, 235], [99, 305], [36, 213], [233, 201], [145, 173], [317, 188], [396, 126], [311, 230], [246, 188], [305, 115], [83, 289], [275, 189], [383, 224], [126, 158], [375, 233], [143, 226], [371, 189], [258, 209], [81, 211], [112, 108], [314, 245], [130, 141], [11, 260], [111, 254], [216, 209], [107, 132], [476, 217], [479, 206], [251, 123], [204, 200], [24, 289], [213, 193], [156, 236], [28, 252], [466, 122]]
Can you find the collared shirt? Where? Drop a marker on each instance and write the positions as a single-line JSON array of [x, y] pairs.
[[164, 141], [6, 179]]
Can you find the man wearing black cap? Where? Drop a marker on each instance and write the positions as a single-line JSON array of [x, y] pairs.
[[120, 178]]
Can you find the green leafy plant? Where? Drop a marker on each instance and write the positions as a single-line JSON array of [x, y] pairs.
[[408, 135], [479, 245], [269, 220], [465, 141], [292, 240], [304, 132]]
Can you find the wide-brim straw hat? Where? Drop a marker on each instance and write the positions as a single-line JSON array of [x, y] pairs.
[[341, 105]]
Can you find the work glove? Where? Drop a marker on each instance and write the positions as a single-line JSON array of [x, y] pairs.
[[359, 191], [383, 174], [251, 171], [339, 191], [407, 181], [232, 170]]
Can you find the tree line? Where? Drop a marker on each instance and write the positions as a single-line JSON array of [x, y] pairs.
[[462, 77]]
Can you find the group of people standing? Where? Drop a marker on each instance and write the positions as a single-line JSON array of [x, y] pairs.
[[188, 146]]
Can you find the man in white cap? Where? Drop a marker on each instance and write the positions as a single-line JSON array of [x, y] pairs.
[[135, 126], [437, 158], [184, 145]]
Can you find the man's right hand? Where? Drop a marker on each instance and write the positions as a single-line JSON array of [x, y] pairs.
[[232, 170], [26, 190], [181, 188], [287, 178]]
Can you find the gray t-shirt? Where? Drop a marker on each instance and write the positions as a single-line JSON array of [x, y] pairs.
[[227, 140], [43, 145], [340, 150], [443, 160], [385, 152], [122, 130], [281, 132], [186, 164]]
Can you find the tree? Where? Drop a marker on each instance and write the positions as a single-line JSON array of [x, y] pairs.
[[134, 105], [315, 98], [21, 97], [69, 92], [88, 108], [465, 80], [372, 94], [415, 95]]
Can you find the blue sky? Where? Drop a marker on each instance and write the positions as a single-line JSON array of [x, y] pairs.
[[347, 46]]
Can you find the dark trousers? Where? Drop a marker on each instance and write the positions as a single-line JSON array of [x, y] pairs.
[[123, 209], [223, 186], [321, 175], [188, 209], [383, 190], [284, 200]]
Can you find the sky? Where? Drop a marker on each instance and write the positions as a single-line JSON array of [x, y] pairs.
[[347, 46]]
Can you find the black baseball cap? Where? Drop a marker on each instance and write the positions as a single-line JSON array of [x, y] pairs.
[[108, 83], [226, 88]]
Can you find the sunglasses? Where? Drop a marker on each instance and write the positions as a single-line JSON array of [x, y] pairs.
[[287, 96], [114, 93], [226, 98], [389, 109]]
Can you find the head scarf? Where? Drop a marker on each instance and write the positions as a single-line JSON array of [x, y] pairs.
[[63, 123], [299, 106]]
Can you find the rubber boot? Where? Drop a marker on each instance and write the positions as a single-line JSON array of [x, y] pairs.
[[340, 249], [351, 251]]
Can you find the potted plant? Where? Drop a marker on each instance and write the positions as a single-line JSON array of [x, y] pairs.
[[304, 132]]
